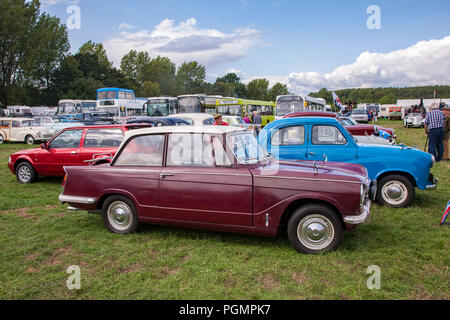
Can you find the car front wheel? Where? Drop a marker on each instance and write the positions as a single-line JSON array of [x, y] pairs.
[[119, 215], [314, 229], [2, 139], [25, 173], [395, 191], [29, 140]]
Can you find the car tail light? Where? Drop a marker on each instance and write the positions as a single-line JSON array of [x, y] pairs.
[[64, 181]]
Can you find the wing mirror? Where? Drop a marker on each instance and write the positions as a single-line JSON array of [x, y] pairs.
[[44, 146]]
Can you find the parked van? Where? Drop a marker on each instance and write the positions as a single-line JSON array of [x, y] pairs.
[[23, 130], [20, 111]]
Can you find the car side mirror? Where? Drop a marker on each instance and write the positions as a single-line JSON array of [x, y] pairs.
[[44, 146]]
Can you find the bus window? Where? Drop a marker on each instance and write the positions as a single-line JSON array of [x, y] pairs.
[[121, 95], [111, 95], [130, 95], [101, 95]]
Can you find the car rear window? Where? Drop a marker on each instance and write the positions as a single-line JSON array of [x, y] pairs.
[[103, 138]]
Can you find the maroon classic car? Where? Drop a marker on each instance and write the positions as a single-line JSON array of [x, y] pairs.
[[218, 178], [74, 146], [355, 128]]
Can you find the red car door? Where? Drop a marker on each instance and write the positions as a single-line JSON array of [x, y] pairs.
[[194, 188], [99, 143], [62, 151]]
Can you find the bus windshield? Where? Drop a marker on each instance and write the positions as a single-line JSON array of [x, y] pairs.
[[286, 105], [232, 110], [190, 104], [158, 108], [67, 107]]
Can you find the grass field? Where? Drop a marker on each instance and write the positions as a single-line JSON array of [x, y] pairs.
[[39, 239]]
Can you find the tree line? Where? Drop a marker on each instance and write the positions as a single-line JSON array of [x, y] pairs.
[[383, 95]]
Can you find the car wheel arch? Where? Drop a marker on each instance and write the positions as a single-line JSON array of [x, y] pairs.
[[405, 174], [22, 160], [298, 203], [105, 196]]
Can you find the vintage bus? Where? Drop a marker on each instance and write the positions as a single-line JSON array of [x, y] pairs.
[[74, 109], [119, 103], [294, 103], [160, 106], [239, 107], [197, 103]]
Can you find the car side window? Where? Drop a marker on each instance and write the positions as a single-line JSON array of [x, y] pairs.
[[103, 138], [16, 124], [327, 135], [143, 151], [208, 122], [289, 136], [185, 149], [67, 139]]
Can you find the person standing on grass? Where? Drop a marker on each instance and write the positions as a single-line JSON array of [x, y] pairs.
[[446, 111], [434, 128]]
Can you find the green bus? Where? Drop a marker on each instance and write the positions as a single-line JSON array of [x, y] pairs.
[[239, 107]]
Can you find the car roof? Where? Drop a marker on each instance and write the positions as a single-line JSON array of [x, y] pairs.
[[310, 114], [184, 129], [198, 116], [100, 126], [16, 119]]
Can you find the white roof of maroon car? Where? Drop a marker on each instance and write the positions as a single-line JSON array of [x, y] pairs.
[[183, 129]]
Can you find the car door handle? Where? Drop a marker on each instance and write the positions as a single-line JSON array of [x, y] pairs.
[[73, 152], [163, 175]]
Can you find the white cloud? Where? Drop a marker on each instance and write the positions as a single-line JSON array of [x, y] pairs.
[[425, 63], [184, 42], [56, 2], [125, 26]]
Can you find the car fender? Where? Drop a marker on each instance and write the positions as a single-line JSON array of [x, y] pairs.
[[396, 171], [123, 193], [24, 158]]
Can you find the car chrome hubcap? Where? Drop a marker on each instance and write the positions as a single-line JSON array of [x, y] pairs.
[[394, 192], [119, 215], [30, 140], [315, 232], [24, 174]]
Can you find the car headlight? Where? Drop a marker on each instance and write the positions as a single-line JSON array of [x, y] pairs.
[[433, 160]]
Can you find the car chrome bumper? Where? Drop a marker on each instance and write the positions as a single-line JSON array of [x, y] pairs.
[[434, 182], [363, 217], [76, 199]]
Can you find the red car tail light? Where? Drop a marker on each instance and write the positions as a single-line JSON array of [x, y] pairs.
[[64, 181]]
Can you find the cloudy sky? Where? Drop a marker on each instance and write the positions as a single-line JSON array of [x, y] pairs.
[[306, 44]]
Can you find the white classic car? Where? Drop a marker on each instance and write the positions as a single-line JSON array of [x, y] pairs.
[[23, 130], [415, 120]]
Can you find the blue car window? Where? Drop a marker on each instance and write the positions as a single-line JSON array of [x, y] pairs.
[[327, 135], [289, 136]]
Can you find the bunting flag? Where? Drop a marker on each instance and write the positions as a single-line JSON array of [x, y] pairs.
[[337, 102], [446, 212]]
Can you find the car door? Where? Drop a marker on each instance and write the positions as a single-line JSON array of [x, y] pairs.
[[63, 150], [99, 143], [139, 166], [200, 184], [328, 141]]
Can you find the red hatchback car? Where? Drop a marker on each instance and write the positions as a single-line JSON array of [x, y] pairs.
[[74, 146]]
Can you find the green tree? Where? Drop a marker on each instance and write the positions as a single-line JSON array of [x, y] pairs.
[[51, 46], [388, 99], [258, 89], [191, 77], [162, 71], [97, 50], [18, 19], [277, 90], [133, 65], [149, 89]]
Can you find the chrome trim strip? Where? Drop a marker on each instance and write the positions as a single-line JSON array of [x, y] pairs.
[[433, 186], [207, 173], [76, 199], [309, 179]]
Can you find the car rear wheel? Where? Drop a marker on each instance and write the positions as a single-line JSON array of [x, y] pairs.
[[395, 191], [29, 140], [2, 139], [25, 173], [119, 215], [315, 228]]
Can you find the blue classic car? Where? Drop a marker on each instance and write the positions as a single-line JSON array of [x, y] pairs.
[[397, 169]]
